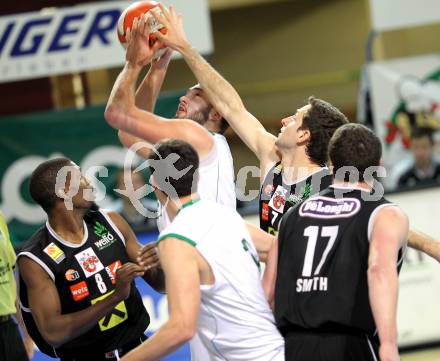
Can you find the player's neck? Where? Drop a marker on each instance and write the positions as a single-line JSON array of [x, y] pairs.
[[297, 165], [362, 185], [69, 225], [174, 206]]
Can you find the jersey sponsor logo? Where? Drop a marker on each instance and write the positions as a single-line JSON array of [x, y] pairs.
[[111, 270], [278, 169], [106, 239], [278, 200], [323, 207], [89, 262], [54, 252], [265, 212], [71, 275], [79, 291], [305, 193], [118, 315]]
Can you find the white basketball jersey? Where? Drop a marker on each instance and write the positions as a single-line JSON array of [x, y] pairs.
[[235, 321], [216, 182]]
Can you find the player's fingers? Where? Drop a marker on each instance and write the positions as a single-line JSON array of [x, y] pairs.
[[164, 11], [160, 18], [128, 35]]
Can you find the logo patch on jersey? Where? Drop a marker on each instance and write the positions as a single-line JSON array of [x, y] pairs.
[[99, 229], [111, 270], [265, 212], [278, 200], [79, 291], [71, 275], [118, 315], [324, 207], [278, 169], [89, 262], [54, 252], [105, 241]]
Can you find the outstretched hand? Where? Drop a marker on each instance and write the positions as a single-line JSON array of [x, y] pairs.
[[139, 50], [175, 37]]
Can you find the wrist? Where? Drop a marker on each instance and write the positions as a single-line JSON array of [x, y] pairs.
[[184, 48], [133, 67]]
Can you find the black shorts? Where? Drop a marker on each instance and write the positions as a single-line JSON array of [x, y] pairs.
[[329, 347], [11, 343]]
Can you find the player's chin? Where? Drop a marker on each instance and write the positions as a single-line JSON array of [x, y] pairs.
[[180, 114]]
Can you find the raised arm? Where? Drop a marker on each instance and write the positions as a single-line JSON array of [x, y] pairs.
[[149, 89], [44, 301], [385, 243], [179, 261], [424, 243], [123, 114], [220, 93]]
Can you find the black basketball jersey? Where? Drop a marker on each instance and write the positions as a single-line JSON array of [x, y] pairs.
[[323, 261], [277, 197], [85, 274]]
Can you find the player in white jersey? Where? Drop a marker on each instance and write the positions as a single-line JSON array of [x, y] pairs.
[[211, 270], [196, 122]]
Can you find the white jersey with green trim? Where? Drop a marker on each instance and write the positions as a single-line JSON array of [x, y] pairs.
[[216, 181], [235, 321]]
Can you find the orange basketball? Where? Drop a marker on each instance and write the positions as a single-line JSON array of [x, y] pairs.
[[136, 10]]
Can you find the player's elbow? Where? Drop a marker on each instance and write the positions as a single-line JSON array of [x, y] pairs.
[[381, 271], [185, 330], [113, 116], [55, 339]]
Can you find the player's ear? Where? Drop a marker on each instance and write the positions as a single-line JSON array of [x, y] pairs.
[[215, 116], [303, 135]]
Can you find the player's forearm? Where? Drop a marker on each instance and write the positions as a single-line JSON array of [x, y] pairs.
[[424, 243], [165, 341], [63, 328], [383, 293], [122, 98], [148, 92], [221, 94]]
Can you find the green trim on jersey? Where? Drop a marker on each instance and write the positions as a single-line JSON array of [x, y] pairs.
[[178, 236], [189, 203]]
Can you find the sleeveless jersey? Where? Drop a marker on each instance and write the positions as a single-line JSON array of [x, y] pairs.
[[277, 197], [323, 262], [83, 275], [216, 183], [235, 321]]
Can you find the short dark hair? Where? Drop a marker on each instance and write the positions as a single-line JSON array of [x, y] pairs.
[[187, 159], [322, 119], [423, 132], [354, 145], [43, 181]]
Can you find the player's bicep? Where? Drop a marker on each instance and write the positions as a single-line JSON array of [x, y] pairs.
[[389, 234], [179, 262], [153, 128], [43, 297]]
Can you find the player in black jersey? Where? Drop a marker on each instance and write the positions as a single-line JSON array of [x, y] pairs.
[[76, 273], [286, 161], [338, 260]]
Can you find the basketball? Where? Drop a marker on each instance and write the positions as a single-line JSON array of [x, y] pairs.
[[136, 10]]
